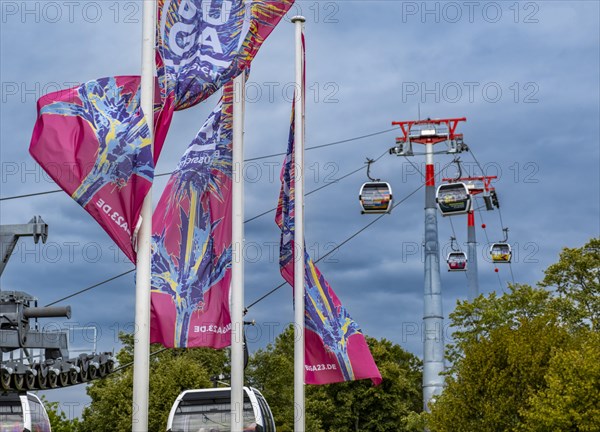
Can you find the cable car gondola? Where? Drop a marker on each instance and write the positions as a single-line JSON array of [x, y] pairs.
[[453, 199], [457, 261], [209, 410], [22, 412], [375, 196], [501, 253]]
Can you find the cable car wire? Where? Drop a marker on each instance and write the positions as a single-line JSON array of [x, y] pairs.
[[56, 191], [126, 365], [457, 242], [511, 272], [362, 167], [246, 221], [477, 162], [454, 235], [338, 246], [415, 166], [500, 282], [377, 219], [245, 160], [327, 145], [91, 287], [487, 239]]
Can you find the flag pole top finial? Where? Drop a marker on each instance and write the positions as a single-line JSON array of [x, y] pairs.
[[298, 18]]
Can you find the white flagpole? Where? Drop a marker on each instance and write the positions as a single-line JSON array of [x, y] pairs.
[[299, 417], [237, 265], [141, 351]]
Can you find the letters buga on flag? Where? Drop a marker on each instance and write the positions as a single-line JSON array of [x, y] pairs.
[[203, 44], [335, 348]]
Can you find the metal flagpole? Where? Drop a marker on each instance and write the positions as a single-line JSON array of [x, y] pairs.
[[141, 350], [299, 417], [237, 265]]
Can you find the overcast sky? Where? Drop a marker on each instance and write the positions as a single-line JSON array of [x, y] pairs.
[[525, 74]]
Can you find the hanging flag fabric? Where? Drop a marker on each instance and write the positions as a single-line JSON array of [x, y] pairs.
[[94, 142], [203, 44], [191, 242], [335, 348]]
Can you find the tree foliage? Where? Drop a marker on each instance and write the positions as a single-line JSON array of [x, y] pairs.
[[342, 407], [570, 400], [528, 360], [58, 418]]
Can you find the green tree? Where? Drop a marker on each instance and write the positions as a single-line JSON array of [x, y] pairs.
[[58, 418], [171, 372], [571, 399], [576, 279], [342, 407], [496, 378], [528, 360]]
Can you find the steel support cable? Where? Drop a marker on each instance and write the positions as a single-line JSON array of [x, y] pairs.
[[415, 166], [500, 282], [328, 144], [346, 240], [487, 239], [249, 220], [91, 287], [477, 162], [499, 214], [423, 176], [337, 247], [459, 246], [317, 189], [55, 191], [126, 365], [282, 284], [502, 226], [512, 276], [245, 160]]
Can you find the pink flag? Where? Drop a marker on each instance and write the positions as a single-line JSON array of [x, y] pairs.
[[94, 142], [335, 348], [204, 44], [93, 139], [191, 243]]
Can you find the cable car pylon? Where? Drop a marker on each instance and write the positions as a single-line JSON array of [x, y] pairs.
[[430, 132], [475, 186]]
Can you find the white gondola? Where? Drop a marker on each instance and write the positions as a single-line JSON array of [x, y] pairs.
[[22, 412], [209, 410], [376, 197], [457, 261], [501, 253], [453, 199]]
